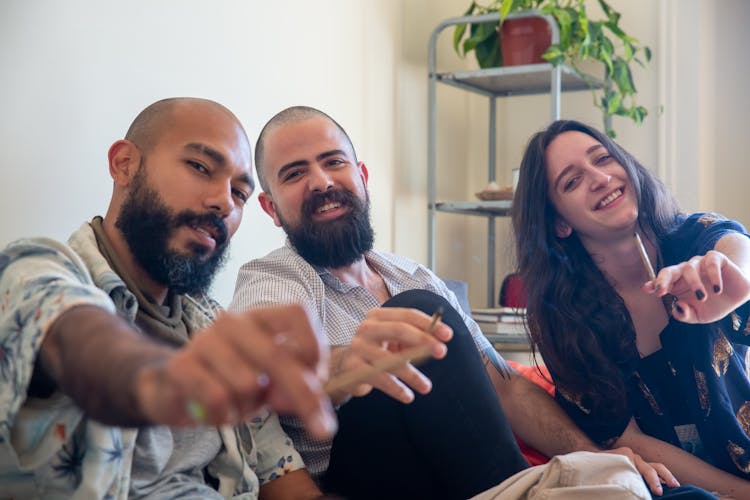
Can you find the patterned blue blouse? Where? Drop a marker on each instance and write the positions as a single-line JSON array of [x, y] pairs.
[[695, 391]]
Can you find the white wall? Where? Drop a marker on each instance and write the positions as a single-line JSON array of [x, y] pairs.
[[704, 81], [410, 190], [728, 162], [75, 74]]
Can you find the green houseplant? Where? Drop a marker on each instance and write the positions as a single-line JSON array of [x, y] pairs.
[[581, 39]]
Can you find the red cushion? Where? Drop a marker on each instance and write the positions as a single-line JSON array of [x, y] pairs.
[[531, 455], [512, 292], [532, 373]]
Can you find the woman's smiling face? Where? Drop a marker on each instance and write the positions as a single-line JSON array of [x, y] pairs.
[[590, 189]]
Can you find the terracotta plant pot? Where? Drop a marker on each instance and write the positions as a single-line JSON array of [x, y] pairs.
[[524, 40]]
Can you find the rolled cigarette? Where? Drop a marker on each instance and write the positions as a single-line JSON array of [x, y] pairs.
[[395, 360], [644, 257]]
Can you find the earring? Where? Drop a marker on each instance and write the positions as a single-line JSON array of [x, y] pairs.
[[562, 229]]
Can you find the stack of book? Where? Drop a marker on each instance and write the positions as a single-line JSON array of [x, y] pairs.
[[502, 324]]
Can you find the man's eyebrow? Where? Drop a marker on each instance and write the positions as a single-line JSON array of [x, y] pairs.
[[333, 152], [208, 151], [302, 163], [291, 165]]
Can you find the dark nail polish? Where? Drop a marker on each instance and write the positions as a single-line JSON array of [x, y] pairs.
[[679, 309], [699, 294], [717, 289]]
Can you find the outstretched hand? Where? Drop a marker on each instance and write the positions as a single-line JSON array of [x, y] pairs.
[[385, 331], [706, 287], [243, 361]]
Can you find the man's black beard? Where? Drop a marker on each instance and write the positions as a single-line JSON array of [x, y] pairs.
[[147, 225], [336, 243]]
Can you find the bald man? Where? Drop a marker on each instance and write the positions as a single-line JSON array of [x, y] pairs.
[[115, 382]]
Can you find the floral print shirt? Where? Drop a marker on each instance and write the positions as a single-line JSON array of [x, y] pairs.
[[48, 446]]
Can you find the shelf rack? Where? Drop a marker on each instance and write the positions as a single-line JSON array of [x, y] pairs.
[[492, 83]]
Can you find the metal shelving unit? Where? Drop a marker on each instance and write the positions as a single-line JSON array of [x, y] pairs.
[[487, 208], [492, 83]]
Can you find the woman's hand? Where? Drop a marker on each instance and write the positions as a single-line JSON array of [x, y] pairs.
[[706, 288], [654, 473]]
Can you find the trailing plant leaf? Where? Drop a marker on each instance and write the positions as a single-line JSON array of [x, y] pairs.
[[554, 55], [488, 51], [638, 114], [483, 41], [565, 21], [622, 77], [458, 33], [613, 102]]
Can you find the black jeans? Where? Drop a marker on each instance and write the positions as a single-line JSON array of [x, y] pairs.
[[686, 492], [451, 443]]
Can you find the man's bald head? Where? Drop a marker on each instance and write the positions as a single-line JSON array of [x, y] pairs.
[[295, 114], [159, 117], [181, 178]]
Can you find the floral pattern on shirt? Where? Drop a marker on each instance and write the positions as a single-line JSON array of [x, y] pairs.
[[48, 448]]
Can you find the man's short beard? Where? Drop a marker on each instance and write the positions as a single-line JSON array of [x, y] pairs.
[[147, 225], [336, 243]]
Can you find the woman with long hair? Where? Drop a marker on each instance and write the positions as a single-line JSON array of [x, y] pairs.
[[660, 364]]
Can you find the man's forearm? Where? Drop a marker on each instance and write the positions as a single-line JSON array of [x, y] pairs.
[[93, 356], [537, 419]]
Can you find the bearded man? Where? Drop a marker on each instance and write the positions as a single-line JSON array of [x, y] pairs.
[[114, 380]]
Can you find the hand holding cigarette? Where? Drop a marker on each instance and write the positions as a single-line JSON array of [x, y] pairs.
[[383, 352]]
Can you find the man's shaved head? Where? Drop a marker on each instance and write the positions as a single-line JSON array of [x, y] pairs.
[[158, 197], [295, 114], [146, 129]]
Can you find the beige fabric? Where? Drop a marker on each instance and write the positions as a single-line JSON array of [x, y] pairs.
[[576, 476]]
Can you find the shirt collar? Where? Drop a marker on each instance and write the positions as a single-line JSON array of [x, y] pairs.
[[381, 262]]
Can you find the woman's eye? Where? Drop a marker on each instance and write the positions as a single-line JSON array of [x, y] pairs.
[[603, 159], [570, 183]]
